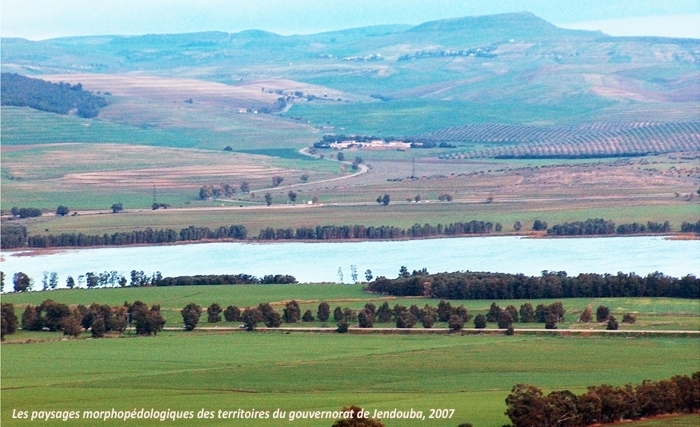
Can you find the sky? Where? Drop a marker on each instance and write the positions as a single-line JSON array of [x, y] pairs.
[[43, 19]]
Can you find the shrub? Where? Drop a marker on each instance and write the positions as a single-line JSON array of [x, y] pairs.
[[602, 313], [455, 323], [480, 321], [190, 315], [307, 317]]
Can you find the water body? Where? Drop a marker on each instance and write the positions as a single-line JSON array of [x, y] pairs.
[[320, 262]]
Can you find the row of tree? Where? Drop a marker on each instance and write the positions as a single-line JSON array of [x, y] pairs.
[[602, 404], [22, 282], [690, 227], [333, 232], [599, 226], [482, 285], [16, 236], [401, 316], [62, 98], [99, 319]]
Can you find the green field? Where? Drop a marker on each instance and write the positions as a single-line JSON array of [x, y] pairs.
[[296, 371], [406, 118], [21, 126], [309, 371]]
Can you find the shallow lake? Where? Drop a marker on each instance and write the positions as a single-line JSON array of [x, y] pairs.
[[321, 262]]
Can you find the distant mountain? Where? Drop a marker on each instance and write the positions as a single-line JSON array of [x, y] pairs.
[[516, 60], [494, 28], [151, 51]]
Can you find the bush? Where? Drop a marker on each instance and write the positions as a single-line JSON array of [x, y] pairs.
[[629, 318], [251, 317], [71, 326], [342, 326], [308, 316], [324, 312], [9, 320], [406, 320], [494, 311], [480, 321], [214, 313], [612, 324], [602, 313], [232, 314], [504, 320], [455, 323], [98, 328], [586, 315], [365, 319], [190, 315], [62, 210]]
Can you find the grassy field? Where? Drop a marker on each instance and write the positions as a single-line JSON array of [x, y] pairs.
[[325, 372]]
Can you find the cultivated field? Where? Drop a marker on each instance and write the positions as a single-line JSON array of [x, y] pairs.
[[302, 371], [93, 176]]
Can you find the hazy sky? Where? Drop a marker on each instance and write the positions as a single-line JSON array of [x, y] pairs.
[[41, 19]]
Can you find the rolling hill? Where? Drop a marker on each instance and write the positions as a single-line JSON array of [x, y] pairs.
[[397, 79]]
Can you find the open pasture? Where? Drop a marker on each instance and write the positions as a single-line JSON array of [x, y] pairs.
[[266, 371]]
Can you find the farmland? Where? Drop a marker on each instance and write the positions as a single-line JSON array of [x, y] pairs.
[[538, 123], [321, 371]]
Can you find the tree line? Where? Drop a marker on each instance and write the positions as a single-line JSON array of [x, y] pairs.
[[482, 285], [99, 319], [333, 232], [55, 316], [15, 236], [22, 282], [401, 316], [690, 227], [61, 98], [599, 226], [527, 406]]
